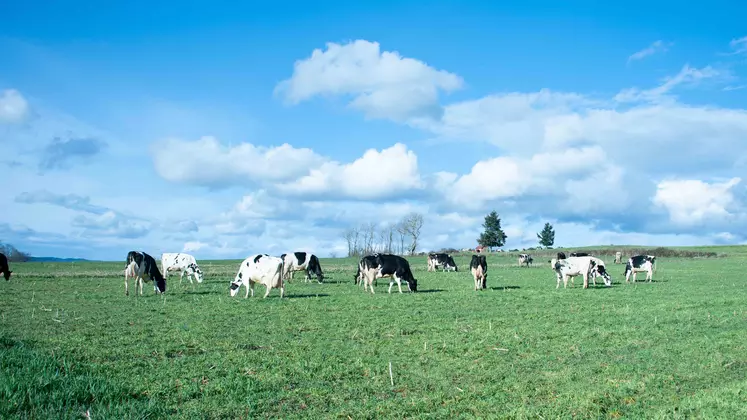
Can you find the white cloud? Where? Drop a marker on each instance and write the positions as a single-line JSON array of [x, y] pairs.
[[656, 46], [193, 246], [383, 84], [209, 163], [739, 45], [13, 107], [687, 76], [692, 202], [375, 175]]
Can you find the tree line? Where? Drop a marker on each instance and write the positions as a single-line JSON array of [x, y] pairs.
[[13, 254], [401, 237]]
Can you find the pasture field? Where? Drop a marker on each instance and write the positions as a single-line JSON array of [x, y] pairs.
[[70, 340]]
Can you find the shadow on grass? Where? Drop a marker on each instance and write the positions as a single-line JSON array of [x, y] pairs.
[[505, 287], [305, 296], [429, 291], [199, 292]]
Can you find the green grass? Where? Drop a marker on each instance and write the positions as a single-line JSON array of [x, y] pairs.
[[675, 348]]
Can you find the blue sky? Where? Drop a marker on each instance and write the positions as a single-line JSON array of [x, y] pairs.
[[224, 129]]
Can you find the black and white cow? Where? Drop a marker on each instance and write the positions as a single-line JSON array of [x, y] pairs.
[[525, 259], [561, 256], [479, 267], [4, 268], [262, 269], [363, 264], [388, 265], [302, 261], [640, 263], [183, 263], [445, 261], [580, 254], [142, 266], [585, 267]]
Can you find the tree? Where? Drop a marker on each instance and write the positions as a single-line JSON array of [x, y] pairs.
[[412, 223], [13, 254], [493, 236], [547, 236], [349, 236]]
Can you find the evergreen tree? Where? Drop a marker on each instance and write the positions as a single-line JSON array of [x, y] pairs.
[[493, 236], [547, 236]]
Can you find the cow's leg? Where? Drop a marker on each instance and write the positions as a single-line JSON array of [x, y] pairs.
[[649, 275], [399, 284], [391, 283], [181, 276], [308, 275], [127, 288], [267, 291], [635, 275], [140, 284]]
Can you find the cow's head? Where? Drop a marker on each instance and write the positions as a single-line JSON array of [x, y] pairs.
[[236, 283], [197, 272], [7, 274], [412, 284], [601, 271], [160, 284]]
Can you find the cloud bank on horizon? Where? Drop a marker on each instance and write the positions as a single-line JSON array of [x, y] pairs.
[[224, 153]]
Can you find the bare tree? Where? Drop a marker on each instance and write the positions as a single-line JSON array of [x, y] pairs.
[[349, 235], [370, 236], [356, 235], [400, 227], [412, 224]]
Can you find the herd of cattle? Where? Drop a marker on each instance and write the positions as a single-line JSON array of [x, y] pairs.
[[272, 272]]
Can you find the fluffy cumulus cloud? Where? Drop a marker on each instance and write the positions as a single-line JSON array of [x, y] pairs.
[[377, 174], [382, 84], [695, 202], [214, 164], [13, 107]]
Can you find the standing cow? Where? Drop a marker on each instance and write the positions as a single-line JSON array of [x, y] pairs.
[[640, 263], [183, 263], [525, 259], [585, 267], [479, 267], [388, 265], [143, 267], [4, 267], [618, 257], [443, 260], [302, 261], [262, 269]]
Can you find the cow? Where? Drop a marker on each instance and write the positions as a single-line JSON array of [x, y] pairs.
[[580, 254], [387, 265], [479, 267], [302, 261], [618, 257], [363, 264], [183, 263], [4, 268], [262, 269], [640, 263], [140, 266], [525, 259], [600, 270], [441, 259], [561, 256], [579, 266]]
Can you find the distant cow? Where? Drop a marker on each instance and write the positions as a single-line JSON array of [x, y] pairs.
[[387, 265], [302, 261], [618, 257], [580, 254], [640, 263], [445, 261], [579, 266], [183, 263], [143, 267], [525, 259], [262, 269], [4, 268], [479, 267]]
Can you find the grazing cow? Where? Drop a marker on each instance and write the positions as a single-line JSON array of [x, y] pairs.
[[262, 269], [479, 268], [141, 266], [618, 257], [440, 259], [579, 266], [580, 254], [525, 259], [640, 263], [183, 263], [302, 261], [4, 268], [598, 270], [363, 264], [387, 265]]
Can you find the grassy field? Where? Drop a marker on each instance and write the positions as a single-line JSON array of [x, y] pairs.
[[676, 348]]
